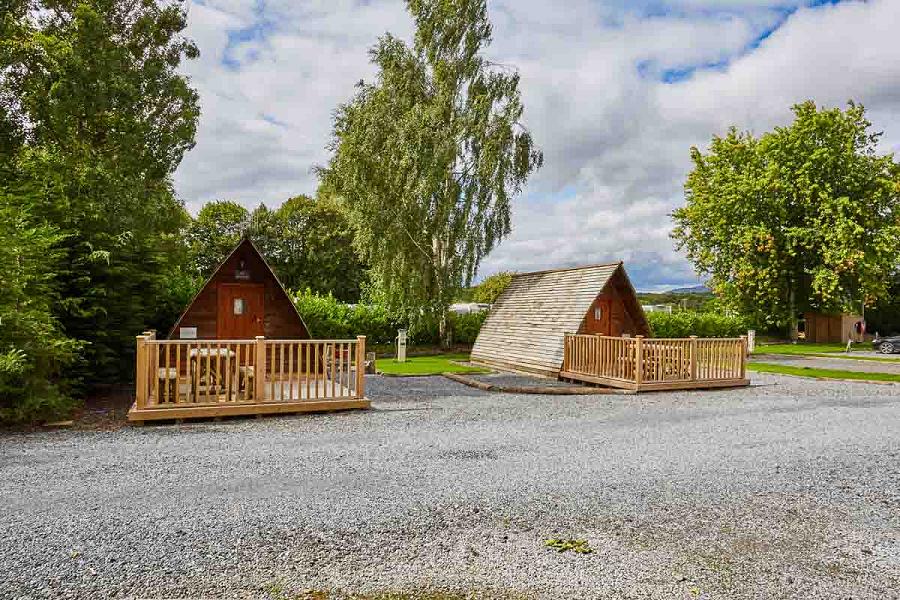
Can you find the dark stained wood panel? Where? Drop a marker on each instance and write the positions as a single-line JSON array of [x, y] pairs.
[[245, 265]]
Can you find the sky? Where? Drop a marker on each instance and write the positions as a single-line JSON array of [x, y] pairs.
[[616, 92]]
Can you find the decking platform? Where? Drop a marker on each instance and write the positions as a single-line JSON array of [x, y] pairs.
[[654, 364], [195, 379]]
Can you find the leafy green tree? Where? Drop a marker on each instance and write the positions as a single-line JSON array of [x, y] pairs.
[[803, 217], [96, 119], [315, 248], [490, 289], [215, 232], [428, 157], [33, 348], [308, 242]]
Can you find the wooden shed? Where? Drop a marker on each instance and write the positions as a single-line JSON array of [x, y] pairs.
[[525, 329], [824, 328], [241, 300]]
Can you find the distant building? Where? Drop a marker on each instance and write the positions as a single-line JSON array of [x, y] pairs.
[[464, 308], [666, 308]]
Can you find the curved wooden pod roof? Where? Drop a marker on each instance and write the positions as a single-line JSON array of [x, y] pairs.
[[526, 326]]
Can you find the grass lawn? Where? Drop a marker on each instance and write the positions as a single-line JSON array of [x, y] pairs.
[[427, 365], [800, 348], [823, 373], [823, 350]]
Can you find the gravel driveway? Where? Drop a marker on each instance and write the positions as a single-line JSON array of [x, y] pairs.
[[787, 489]]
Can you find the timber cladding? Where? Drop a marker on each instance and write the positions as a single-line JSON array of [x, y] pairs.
[[242, 299], [525, 329]]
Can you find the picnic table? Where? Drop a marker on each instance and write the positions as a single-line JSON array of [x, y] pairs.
[[204, 367]]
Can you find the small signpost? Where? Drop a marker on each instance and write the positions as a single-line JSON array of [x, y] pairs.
[[401, 345], [751, 340]]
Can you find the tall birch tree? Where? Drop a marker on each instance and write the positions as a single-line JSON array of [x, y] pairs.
[[429, 156]]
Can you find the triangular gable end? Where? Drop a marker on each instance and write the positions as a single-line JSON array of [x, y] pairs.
[[244, 265], [526, 326]]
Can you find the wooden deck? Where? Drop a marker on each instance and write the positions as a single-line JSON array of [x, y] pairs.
[[180, 379], [652, 364]]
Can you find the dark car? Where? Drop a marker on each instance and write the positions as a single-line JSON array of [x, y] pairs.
[[887, 345]]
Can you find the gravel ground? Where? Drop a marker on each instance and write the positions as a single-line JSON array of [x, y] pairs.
[[517, 380], [843, 364], [786, 489]]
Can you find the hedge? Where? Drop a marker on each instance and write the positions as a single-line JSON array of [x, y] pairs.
[[686, 323], [330, 318]]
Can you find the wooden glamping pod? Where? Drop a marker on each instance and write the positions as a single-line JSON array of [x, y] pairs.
[[586, 324], [242, 348], [526, 327]]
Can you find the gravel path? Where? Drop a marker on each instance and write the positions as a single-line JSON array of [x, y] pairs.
[[787, 489], [517, 380], [843, 364]]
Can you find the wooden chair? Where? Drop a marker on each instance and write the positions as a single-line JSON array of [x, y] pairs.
[[168, 384]]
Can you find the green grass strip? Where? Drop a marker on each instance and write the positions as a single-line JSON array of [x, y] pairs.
[[427, 365], [821, 373], [801, 348]]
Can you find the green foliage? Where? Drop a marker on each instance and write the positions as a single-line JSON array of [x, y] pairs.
[[490, 289], [803, 217], [428, 157], [33, 348], [314, 248], [577, 546], [685, 323], [465, 327], [215, 232], [328, 317], [97, 117], [698, 302], [308, 242]]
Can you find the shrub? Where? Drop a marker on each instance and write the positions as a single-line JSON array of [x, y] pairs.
[[687, 323], [327, 317], [33, 347], [466, 326]]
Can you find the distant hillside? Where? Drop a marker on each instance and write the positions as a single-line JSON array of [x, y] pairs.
[[697, 289]]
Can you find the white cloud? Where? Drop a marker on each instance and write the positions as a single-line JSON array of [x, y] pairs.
[[616, 137]]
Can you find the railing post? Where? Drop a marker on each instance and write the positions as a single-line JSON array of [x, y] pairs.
[[599, 354], [743, 356], [565, 365], [259, 369], [360, 366], [638, 360], [693, 358], [140, 374]]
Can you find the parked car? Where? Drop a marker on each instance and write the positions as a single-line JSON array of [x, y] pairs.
[[887, 345]]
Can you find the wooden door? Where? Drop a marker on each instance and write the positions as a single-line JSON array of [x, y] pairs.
[[241, 311], [598, 320]]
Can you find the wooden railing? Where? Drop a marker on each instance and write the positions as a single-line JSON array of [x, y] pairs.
[[181, 373], [655, 363]]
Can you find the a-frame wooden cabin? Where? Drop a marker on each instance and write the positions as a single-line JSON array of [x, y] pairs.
[[242, 348], [526, 327], [241, 300]]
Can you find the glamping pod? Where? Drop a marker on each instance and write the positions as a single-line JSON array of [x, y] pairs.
[[241, 300], [241, 348], [526, 328]]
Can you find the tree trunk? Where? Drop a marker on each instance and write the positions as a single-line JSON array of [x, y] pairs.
[[444, 330], [792, 317]]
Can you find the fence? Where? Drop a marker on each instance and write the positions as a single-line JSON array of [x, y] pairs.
[[246, 376], [655, 363]]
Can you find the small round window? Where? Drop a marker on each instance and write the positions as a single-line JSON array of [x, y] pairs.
[[598, 313]]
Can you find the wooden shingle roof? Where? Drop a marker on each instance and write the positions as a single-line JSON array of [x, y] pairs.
[[526, 326]]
